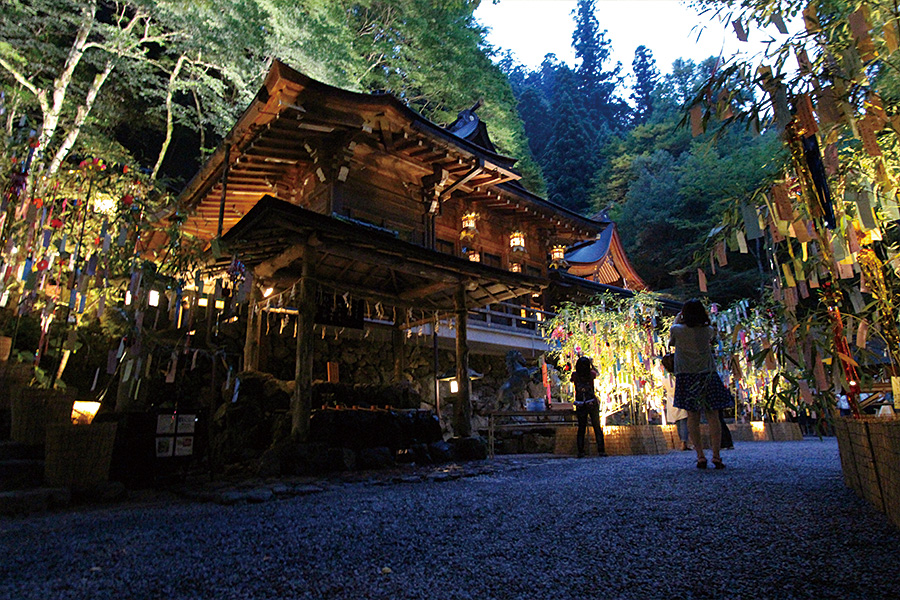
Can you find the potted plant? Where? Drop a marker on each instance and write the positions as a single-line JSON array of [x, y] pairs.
[[36, 406], [7, 332]]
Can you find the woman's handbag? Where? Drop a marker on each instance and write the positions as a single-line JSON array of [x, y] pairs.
[[668, 362]]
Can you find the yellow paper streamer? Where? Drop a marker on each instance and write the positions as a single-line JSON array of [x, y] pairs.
[[788, 276]]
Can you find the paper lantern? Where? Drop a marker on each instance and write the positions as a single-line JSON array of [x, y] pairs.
[[558, 257]]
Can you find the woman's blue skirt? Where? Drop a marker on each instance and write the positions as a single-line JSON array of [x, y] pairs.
[[701, 391]]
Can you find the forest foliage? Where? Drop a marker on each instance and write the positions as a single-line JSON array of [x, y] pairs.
[[155, 84], [622, 147]]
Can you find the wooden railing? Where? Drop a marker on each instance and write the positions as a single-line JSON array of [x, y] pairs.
[[506, 315]]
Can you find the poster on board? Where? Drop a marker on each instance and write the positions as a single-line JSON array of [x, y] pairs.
[[165, 425], [165, 446], [186, 423]]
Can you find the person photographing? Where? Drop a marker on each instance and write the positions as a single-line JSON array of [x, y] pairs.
[[697, 384], [586, 404]]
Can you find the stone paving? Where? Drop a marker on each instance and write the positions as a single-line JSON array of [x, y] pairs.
[[777, 523]]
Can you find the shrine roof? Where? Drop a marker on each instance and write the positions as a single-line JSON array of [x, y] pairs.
[[579, 289], [292, 113], [604, 258], [591, 251], [366, 262]]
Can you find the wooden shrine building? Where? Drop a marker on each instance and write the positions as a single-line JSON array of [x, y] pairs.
[[318, 188], [603, 260]]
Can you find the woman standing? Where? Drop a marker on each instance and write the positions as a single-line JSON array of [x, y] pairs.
[[697, 384], [586, 404]]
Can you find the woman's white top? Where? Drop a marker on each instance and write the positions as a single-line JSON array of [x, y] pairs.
[[693, 353]]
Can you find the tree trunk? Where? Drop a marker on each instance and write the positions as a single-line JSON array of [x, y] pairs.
[[80, 116], [173, 78], [12, 111], [201, 130], [53, 112]]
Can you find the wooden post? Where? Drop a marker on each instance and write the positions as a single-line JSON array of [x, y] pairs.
[[225, 170], [437, 373], [398, 344], [303, 369], [251, 342], [334, 372], [462, 414], [210, 307]]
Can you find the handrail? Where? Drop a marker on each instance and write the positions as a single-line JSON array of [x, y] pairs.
[[507, 315]]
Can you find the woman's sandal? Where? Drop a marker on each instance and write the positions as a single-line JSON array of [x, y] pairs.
[[718, 463], [701, 463]]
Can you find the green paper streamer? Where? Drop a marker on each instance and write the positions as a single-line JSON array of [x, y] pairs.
[[864, 206], [751, 222]]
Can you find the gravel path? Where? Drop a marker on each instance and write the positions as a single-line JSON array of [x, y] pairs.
[[777, 523]]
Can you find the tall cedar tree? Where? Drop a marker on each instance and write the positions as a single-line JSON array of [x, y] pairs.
[[668, 190], [645, 77], [569, 159], [585, 110], [597, 85]]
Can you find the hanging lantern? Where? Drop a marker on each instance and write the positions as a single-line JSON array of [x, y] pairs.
[[469, 234], [515, 267], [469, 219], [516, 247], [558, 257]]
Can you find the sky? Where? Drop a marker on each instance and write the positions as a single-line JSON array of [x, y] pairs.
[[669, 28]]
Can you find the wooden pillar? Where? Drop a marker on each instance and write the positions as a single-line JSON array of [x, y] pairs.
[[251, 341], [303, 368], [437, 366], [462, 414], [210, 316], [225, 170], [398, 345]]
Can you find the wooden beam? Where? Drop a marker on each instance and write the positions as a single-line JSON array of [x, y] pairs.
[[224, 187], [267, 269], [479, 165], [387, 136], [401, 264], [373, 256], [425, 290], [367, 293]]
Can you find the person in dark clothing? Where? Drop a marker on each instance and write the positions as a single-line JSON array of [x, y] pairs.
[[586, 404], [727, 441]]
